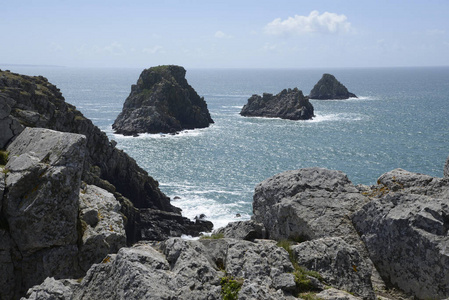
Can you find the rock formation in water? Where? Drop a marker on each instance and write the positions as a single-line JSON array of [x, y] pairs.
[[288, 104], [68, 197], [162, 102], [328, 87]]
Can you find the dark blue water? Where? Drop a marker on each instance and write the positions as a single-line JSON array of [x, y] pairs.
[[400, 120]]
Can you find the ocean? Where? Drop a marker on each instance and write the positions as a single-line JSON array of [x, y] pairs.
[[400, 120]]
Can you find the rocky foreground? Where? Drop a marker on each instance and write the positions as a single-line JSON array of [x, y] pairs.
[[162, 102], [289, 104], [64, 226]]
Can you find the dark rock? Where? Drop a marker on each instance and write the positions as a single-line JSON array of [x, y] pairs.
[[288, 104], [243, 230], [159, 225], [162, 102], [328, 87]]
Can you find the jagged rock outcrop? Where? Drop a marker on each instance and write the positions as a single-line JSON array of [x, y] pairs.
[[307, 204], [31, 101], [328, 87], [288, 104], [183, 269], [405, 229], [162, 102]]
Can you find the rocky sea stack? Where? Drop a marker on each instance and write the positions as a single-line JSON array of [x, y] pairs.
[[328, 87], [162, 102], [289, 104]]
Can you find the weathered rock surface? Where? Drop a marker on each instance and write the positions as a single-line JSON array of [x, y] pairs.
[[339, 263], [328, 87], [243, 230], [181, 269], [405, 230], [162, 101], [102, 224], [40, 208], [307, 204], [288, 104]]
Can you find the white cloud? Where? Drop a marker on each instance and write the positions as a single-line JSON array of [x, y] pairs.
[[313, 23], [115, 49], [221, 35], [152, 50]]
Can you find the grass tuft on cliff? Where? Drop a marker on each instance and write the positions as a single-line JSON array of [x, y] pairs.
[[3, 157], [230, 287]]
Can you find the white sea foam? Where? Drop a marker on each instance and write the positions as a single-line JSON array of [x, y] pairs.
[[220, 214], [336, 117]]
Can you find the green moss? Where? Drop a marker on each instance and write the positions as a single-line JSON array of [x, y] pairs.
[[3, 157], [230, 287], [302, 275]]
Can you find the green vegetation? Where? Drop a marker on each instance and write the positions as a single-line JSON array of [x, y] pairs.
[[302, 275], [230, 287], [213, 236], [3, 157]]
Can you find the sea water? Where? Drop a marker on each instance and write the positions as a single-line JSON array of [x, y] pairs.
[[400, 120]]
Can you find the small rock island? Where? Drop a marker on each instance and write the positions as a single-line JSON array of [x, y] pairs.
[[162, 102], [289, 104], [328, 87]]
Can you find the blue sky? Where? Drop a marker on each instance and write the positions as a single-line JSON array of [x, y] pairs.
[[225, 34]]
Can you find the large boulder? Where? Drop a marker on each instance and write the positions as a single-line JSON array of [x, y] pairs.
[[288, 104], [40, 208], [102, 225], [404, 228], [162, 101], [307, 204], [328, 87]]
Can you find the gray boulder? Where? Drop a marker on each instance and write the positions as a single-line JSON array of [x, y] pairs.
[[328, 87], [162, 101], [288, 104], [339, 264], [307, 204], [243, 230], [102, 224], [406, 237], [40, 208]]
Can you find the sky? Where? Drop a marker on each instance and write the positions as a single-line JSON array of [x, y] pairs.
[[225, 34]]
